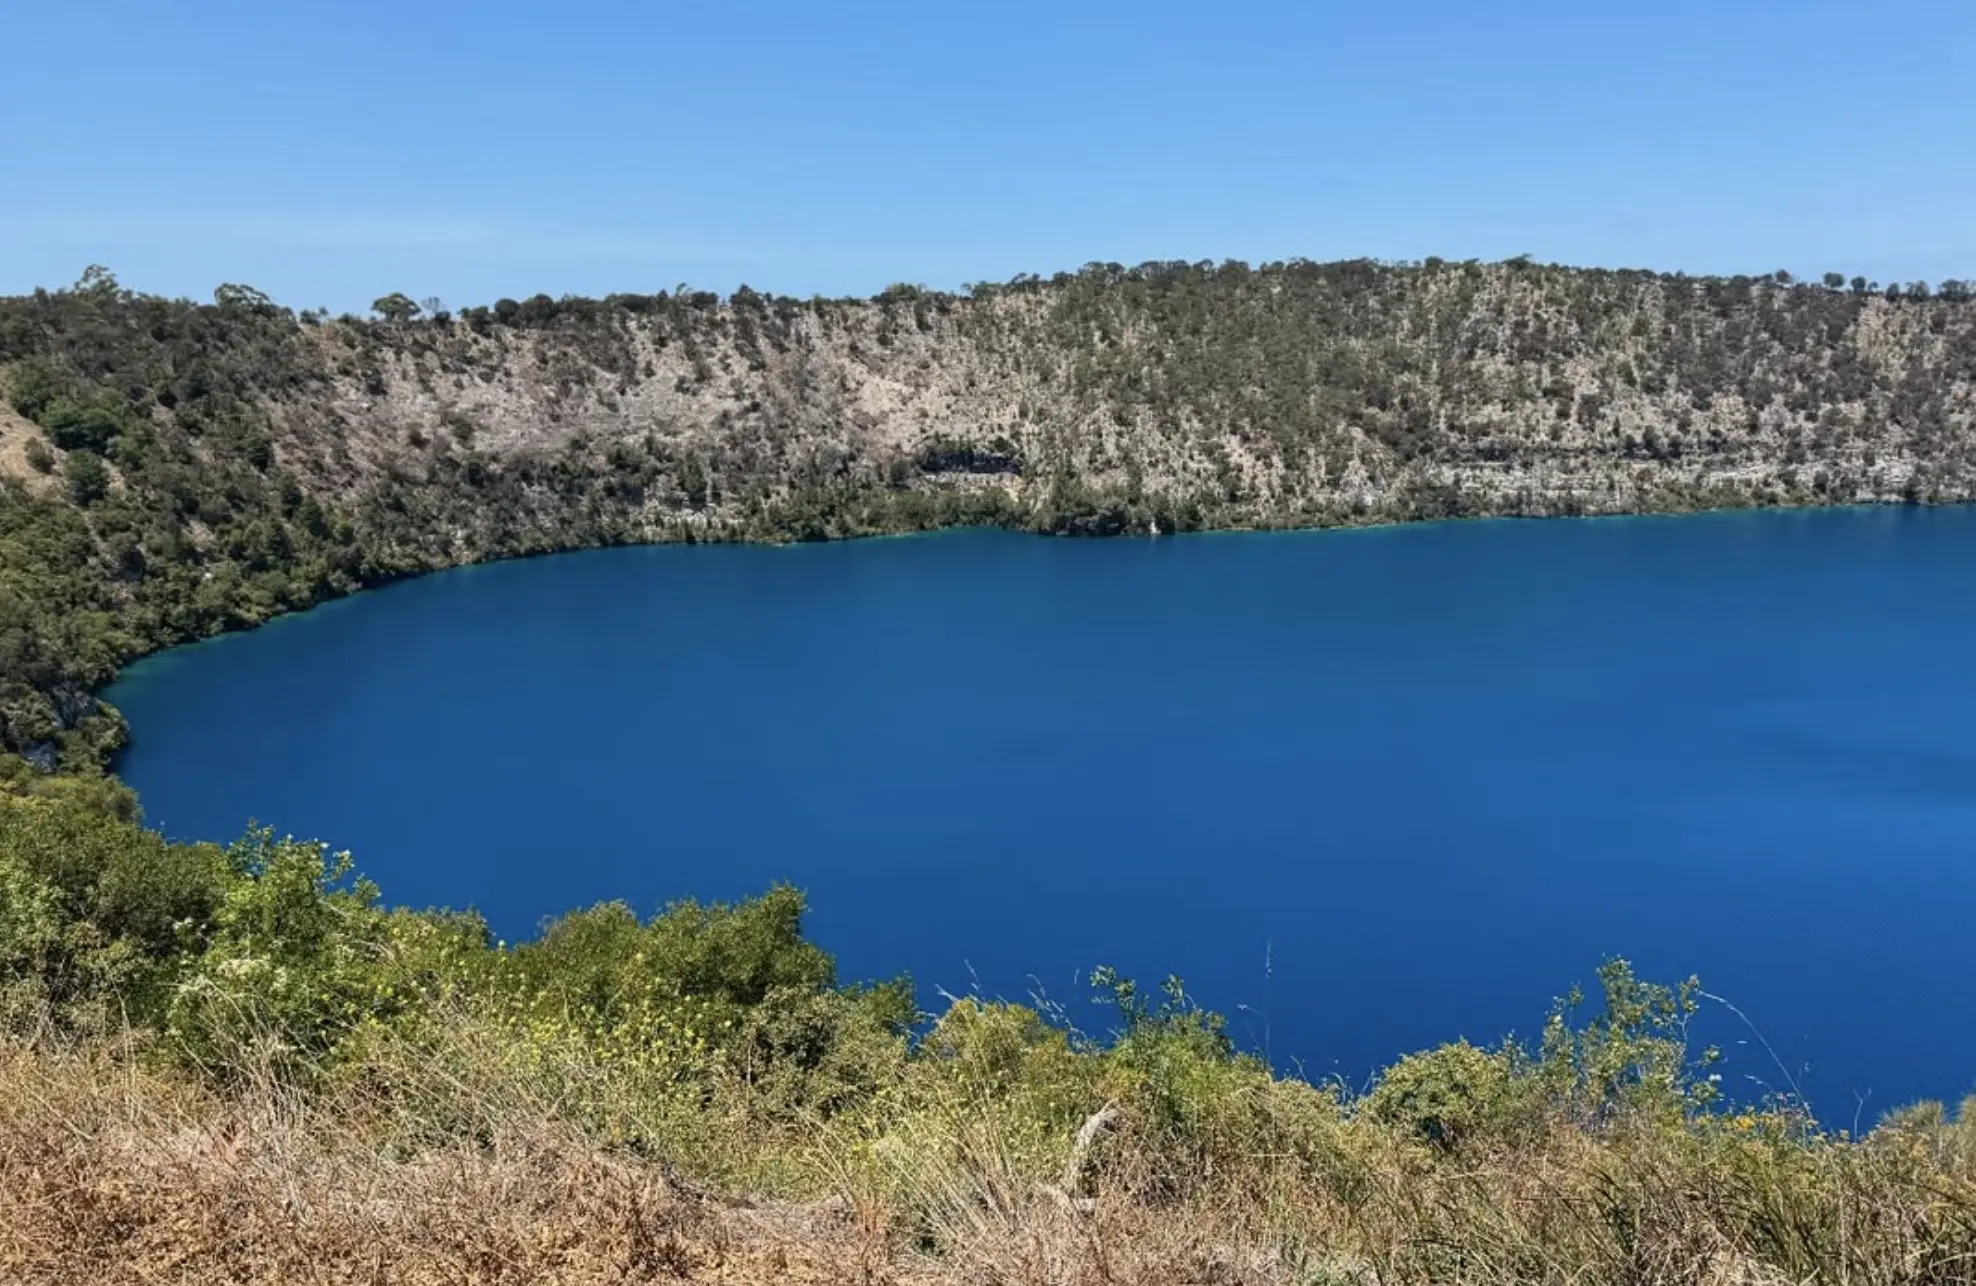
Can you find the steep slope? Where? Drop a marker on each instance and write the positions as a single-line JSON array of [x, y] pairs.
[[205, 466]]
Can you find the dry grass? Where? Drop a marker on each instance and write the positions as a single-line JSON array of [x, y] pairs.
[[111, 1174], [16, 434]]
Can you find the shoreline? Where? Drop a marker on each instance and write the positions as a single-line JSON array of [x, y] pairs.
[[1371, 525]]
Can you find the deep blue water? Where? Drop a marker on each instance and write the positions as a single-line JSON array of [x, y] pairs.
[[1432, 775]]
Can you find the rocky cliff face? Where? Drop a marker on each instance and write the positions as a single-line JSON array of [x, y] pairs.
[[1218, 394], [1211, 396], [185, 468]]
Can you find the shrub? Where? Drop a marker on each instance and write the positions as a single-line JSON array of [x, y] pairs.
[[297, 957], [32, 387], [721, 958], [83, 425], [1447, 1095], [1632, 1057], [89, 477], [102, 912]]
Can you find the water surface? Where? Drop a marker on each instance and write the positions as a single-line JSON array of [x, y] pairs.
[[1366, 791]]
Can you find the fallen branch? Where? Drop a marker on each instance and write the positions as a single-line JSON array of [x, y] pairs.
[[1079, 1161]]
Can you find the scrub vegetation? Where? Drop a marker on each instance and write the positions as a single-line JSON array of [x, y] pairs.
[[235, 1064], [239, 1063]]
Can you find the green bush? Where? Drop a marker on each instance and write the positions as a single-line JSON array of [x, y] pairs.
[[297, 957], [714, 960], [83, 425], [88, 476], [32, 947], [268, 956], [1631, 1057], [698, 986], [33, 387], [103, 912], [1447, 1095]]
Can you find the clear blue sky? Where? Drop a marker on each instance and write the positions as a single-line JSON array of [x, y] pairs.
[[329, 153]]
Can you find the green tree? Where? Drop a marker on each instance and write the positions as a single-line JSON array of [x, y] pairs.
[[396, 307], [99, 281], [83, 425], [245, 299]]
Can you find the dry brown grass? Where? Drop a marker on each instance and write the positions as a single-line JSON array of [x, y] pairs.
[[110, 1176], [16, 433]]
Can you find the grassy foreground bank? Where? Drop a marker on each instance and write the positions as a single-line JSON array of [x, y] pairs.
[[233, 1064]]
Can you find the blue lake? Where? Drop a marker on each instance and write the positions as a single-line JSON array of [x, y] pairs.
[[1366, 790]]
